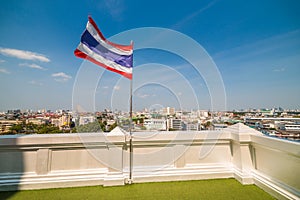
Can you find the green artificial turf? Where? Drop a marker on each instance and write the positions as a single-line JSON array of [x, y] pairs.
[[204, 189]]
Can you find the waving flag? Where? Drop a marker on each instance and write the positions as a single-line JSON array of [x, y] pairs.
[[97, 49]]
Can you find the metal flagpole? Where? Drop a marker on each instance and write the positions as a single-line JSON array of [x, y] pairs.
[[130, 134], [130, 138]]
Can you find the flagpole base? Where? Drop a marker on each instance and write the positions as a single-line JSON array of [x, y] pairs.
[[129, 181]]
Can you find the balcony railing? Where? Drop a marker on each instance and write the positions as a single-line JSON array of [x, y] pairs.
[[68, 160]]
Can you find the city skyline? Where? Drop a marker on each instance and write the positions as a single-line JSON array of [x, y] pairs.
[[255, 46]]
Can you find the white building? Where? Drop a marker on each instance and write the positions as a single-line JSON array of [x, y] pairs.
[[175, 124], [203, 113], [292, 127], [155, 124], [192, 126], [219, 126], [86, 119], [168, 111]]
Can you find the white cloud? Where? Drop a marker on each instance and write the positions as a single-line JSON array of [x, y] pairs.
[[279, 69], [35, 83], [117, 87], [193, 15], [4, 71], [2, 61], [143, 96], [114, 7], [33, 66], [61, 77], [279, 43], [25, 55]]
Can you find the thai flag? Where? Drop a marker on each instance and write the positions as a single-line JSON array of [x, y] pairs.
[[97, 49]]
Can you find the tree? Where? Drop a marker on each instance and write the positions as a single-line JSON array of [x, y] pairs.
[[90, 127], [111, 127], [47, 128], [207, 124], [16, 128], [30, 127]]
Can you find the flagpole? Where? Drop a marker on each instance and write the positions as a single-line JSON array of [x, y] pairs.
[[130, 138], [108, 62], [130, 133]]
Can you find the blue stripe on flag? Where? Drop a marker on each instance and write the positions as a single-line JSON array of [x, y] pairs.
[[95, 46]]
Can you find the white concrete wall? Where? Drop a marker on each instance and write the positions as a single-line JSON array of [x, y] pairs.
[[276, 166], [66, 160]]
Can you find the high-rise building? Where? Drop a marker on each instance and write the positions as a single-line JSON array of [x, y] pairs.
[[168, 111]]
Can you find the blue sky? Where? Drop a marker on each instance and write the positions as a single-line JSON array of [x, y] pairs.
[[255, 46]]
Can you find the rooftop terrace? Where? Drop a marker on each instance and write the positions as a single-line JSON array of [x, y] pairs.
[[205, 189], [94, 159]]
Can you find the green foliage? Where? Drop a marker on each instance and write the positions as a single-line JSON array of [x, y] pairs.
[[207, 124], [47, 128], [74, 130], [16, 128], [90, 127], [97, 126], [31, 128], [111, 127], [205, 189], [138, 120]]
